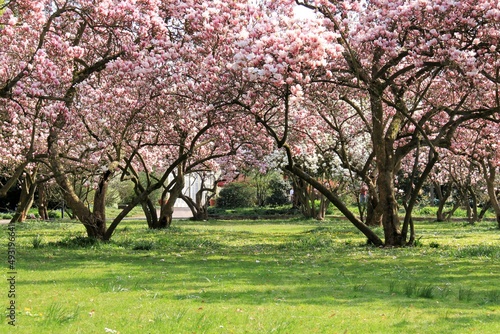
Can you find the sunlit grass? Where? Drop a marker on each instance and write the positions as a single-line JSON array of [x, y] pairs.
[[277, 276]]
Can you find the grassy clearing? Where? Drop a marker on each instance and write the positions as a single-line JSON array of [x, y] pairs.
[[279, 276]]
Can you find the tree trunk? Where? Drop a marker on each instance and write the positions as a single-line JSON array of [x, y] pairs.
[[373, 217], [12, 180], [166, 213], [28, 189], [415, 186], [448, 214], [95, 227], [389, 207], [323, 206], [486, 206], [489, 172], [94, 222], [442, 194], [372, 236], [308, 205], [472, 204], [198, 208], [149, 209], [383, 138], [167, 208], [42, 201], [199, 205], [305, 198]]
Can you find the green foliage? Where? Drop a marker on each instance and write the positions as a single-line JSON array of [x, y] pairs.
[[196, 243], [279, 190], [309, 243], [426, 291], [410, 289], [54, 214], [393, 287], [426, 211], [236, 195], [122, 192], [119, 192], [112, 212], [254, 211], [492, 297]]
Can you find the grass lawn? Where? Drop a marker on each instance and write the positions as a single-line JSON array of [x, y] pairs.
[[273, 276]]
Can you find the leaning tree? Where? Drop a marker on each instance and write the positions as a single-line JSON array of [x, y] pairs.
[[478, 144]]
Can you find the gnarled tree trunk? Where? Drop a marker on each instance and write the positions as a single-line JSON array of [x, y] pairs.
[[199, 205], [388, 207], [489, 173], [94, 222], [373, 217], [383, 139], [443, 192], [167, 207], [28, 189]]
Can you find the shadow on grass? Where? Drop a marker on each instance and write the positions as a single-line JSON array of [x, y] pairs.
[[263, 273], [320, 265]]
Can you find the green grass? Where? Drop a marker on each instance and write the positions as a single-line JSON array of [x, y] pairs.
[[248, 276], [254, 211]]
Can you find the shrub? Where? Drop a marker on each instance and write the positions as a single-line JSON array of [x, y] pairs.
[[236, 195], [279, 192]]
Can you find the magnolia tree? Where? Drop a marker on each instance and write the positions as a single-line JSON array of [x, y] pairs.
[[478, 144], [391, 64], [167, 106], [454, 182], [198, 92], [119, 86], [39, 72], [54, 50], [164, 88], [23, 117]]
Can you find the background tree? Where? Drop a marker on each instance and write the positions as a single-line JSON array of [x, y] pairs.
[[477, 143], [207, 190]]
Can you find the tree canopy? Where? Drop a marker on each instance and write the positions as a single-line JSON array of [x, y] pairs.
[[90, 90]]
